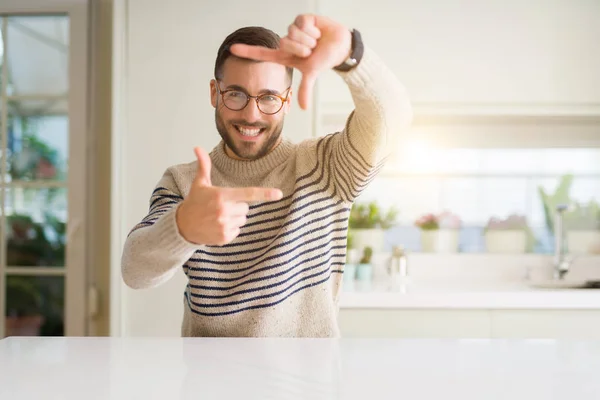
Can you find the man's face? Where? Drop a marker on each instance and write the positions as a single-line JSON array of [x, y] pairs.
[[249, 133]]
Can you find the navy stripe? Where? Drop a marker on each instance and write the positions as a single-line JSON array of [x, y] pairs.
[[163, 197], [342, 180], [298, 189], [357, 170], [159, 188], [367, 165], [254, 241], [236, 262], [265, 278], [308, 175], [289, 222], [219, 314], [255, 249], [273, 266], [265, 296], [297, 199], [272, 285]]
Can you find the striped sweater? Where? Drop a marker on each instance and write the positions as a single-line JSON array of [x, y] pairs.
[[282, 275]]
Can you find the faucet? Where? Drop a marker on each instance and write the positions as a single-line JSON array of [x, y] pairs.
[[562, 262]]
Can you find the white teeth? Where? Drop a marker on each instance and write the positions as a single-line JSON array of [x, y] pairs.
[[248, 131]]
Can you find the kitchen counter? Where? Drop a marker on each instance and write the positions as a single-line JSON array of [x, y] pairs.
[[466, 295], [203, 368]]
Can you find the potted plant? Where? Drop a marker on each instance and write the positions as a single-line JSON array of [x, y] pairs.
[[368, 224], [364, 271], [509, 235], [352, 258], [439, 233], [581, 222], [23, 314], [582, 227]]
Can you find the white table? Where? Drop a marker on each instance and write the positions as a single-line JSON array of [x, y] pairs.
[[199, 368]]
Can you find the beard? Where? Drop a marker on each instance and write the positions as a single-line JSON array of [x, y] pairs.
[[248, 150]]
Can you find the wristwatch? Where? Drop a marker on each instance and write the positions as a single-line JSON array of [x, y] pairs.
[[355, 54]]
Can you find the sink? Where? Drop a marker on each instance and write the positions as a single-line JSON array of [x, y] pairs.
[[565, 284]]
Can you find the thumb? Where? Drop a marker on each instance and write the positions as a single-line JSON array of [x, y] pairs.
[[204, 165], [306, 89]]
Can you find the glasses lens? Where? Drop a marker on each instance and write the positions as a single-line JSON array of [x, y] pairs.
[[235, 100], [269, 104]]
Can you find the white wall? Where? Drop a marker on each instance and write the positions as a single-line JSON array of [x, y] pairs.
[[169, 58], [453, 53]]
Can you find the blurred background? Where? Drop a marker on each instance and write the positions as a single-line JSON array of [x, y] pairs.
[[97, 98]]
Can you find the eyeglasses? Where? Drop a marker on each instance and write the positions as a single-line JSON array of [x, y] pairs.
[[267, 103]]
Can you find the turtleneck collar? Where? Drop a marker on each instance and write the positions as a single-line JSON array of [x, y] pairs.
[[254, 168]]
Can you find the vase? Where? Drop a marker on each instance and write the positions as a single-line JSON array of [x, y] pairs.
[[440, 241], [24, 326], [583, 241], [513, 241], [364, 272], [373, 238], [349, 272]]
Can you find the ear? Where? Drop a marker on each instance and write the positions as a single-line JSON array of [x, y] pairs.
[[213, 93]]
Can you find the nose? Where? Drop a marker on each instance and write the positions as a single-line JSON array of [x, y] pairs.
[[251, 113]]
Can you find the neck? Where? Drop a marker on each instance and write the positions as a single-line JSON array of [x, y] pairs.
[[230, 153]]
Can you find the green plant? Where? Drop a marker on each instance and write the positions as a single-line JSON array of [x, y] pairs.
[[551, 201], [370, 216], [583, 217], [350, 239], [25, 299], [367, 255]]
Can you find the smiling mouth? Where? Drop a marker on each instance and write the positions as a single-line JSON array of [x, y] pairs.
[[249, 131]]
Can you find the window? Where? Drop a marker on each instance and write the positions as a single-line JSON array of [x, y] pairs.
[[42, 173]]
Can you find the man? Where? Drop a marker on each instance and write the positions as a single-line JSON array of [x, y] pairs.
[[259, 225]]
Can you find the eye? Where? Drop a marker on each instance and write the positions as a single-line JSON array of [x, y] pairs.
[[269, 98], [236, 95]]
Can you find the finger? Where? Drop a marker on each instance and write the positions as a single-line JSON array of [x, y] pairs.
[[235, 209], [295, 48], [252, 194], [306, 89], [260, 53], [231, 234], [204, 165], [237, 222], [308, 24], [298, 35], [239, 209]]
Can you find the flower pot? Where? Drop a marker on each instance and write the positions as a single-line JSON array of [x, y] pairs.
[[364, 272], [373, 238], [24, 326], [440, 241], [349, 272], [507, 241], [583, 241]]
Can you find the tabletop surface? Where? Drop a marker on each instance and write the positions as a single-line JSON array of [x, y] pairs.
[[221, 368]]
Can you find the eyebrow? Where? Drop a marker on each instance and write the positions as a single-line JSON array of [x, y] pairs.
[[242, 89]]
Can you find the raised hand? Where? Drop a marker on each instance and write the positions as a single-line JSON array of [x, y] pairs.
[[213, 215], [313, 44]]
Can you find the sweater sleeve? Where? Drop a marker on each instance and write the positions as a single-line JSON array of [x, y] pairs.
[[154, 248], [382, 113]]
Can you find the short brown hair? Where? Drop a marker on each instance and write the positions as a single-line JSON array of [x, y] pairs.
[[250, 35]]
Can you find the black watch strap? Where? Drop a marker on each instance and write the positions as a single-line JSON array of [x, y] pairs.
[[355, 55]]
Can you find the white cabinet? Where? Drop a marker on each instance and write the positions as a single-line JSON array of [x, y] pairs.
[[459, 324], [497, 55], [546, 324], [414, 323]]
